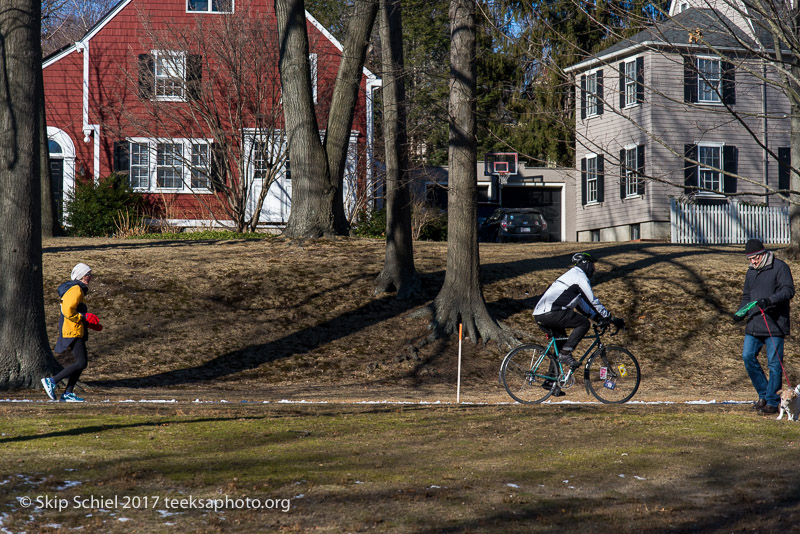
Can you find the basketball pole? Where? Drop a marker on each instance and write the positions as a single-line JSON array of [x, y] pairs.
[[458, 382]]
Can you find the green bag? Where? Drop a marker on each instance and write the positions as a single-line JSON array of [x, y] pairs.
[[744, 309]]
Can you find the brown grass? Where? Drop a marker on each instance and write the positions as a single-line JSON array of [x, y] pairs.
[[273, 319]]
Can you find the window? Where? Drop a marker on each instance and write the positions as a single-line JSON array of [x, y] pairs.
[[209, 6], [630, 83], [200, 166], [711, 167], [592, 179], [708, 80], [170, 75], [169, 165], [592, 94], [140, 166], [631, 161], [636, 232], [261, 165], [710, 163], [595, 236]]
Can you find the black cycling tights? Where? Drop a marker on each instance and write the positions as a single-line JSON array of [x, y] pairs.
[[73, 372]]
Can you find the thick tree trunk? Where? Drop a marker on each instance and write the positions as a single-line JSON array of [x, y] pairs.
[[49, 215], [398, 268], [26, 356], [461, 296], [312, 190], [343, 103]]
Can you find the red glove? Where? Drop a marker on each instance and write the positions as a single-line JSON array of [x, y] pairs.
[[92, 321]]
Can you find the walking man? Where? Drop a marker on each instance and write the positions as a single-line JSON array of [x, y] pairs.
[[769, 283]]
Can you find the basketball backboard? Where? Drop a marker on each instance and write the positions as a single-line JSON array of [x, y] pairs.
[[497, 163]]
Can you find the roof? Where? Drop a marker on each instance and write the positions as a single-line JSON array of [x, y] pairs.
[[716, 31]]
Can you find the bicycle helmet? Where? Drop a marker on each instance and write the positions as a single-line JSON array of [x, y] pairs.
[[583, 257]]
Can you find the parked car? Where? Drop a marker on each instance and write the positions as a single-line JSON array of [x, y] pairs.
[[514, 224]]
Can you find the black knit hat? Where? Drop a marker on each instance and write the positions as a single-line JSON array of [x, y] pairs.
[[754, 247]]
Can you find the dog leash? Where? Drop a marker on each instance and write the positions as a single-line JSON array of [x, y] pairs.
[[780, 360]]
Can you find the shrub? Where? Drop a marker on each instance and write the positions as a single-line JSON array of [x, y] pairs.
[[94, 209], [372, 225], [435, 229]]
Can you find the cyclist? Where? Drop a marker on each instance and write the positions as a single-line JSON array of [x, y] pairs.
[[556, 309]]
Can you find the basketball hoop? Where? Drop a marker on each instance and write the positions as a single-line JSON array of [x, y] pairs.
[[503, 177]]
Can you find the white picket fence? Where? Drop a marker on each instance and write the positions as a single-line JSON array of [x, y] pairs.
[[728, 223]]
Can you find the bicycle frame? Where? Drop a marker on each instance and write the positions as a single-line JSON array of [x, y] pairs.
[[596, 344]]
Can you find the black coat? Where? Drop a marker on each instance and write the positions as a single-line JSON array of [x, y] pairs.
[[773, 282]]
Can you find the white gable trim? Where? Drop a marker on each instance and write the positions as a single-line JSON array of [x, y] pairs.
[[91, 33], [314, 22]]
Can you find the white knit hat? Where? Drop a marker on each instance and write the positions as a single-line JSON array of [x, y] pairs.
[[80, 270]]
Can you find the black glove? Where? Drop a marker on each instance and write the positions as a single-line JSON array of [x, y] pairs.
[[738, 318], [618, 322], [763, 304], [603, 321]]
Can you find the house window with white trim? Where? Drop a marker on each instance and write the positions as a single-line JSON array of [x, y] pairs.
[[630, 83], [169, 165], [591, 94], [209, 6], [710, 159], [200, 166], [591, 179], [261, 164], [170, 75], [140, 166], [709, 79]]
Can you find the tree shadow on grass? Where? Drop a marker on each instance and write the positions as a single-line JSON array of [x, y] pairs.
[[381, 309]]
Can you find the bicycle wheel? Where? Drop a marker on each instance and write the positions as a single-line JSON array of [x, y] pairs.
[[523, 372], [612, 375]]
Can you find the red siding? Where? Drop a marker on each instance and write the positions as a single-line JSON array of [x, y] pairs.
[[113, 74]]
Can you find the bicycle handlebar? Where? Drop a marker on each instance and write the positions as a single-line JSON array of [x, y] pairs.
[[600, 328]]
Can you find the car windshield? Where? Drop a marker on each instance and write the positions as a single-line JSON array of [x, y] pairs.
[[530, 218]]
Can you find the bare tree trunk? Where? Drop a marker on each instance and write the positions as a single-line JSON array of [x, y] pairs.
[[312, 189], [49, 214], [461, 296], [343, 103], [26, 355], [398, 268]]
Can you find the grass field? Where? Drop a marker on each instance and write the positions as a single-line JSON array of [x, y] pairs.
[[344, 468], [203, 340]]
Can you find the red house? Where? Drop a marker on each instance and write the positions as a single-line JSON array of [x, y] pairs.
[[183, 98]]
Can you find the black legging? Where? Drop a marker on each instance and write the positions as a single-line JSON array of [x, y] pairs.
[[74, 371], [557, 321]]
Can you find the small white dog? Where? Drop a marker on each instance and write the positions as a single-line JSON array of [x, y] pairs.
[[790, 403]]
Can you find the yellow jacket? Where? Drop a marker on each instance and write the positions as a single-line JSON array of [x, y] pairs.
[[73, 321]]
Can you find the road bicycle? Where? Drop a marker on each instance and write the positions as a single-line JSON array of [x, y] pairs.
[[532, 373]]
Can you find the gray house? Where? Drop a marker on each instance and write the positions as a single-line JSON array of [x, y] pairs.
[[654, 122]]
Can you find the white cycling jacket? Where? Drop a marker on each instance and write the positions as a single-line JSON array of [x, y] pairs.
[[572, 289]]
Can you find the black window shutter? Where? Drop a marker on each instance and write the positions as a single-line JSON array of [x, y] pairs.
[[583, 97], [640, 168], [217, 168], [583, 181], [640, 79], [689, 80], [689, 168], [194, 76], [730, 163], [600, 179], [599, 92], [622, 85], [728, 83], [146, 76], [784, 168], [122, 160], [622, 174]]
